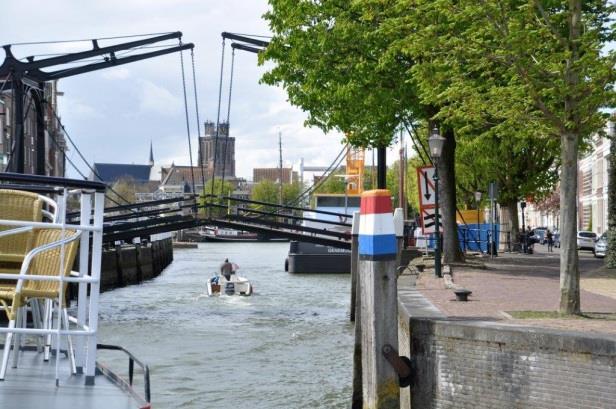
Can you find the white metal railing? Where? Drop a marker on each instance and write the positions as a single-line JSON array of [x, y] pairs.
[[85, 325]]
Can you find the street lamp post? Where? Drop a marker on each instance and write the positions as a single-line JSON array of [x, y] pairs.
[[524, 238], [436, 142], [477, 200]]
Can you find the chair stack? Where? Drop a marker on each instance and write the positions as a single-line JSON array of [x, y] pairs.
[[31, 252]]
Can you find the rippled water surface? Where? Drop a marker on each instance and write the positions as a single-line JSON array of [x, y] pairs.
[[287, 346]]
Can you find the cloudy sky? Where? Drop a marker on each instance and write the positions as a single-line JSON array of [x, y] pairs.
[[113, 114]]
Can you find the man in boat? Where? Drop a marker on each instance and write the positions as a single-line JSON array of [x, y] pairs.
[[226, 269]]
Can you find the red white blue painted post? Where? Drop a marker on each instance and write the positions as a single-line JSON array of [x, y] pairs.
[[379, 306]]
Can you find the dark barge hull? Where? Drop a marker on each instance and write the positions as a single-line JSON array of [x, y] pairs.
[[317, 259]]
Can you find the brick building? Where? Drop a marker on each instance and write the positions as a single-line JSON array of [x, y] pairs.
[[273, 174], [217, 152], [49, 137]]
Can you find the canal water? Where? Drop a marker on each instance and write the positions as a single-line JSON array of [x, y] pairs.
[[288, 346]]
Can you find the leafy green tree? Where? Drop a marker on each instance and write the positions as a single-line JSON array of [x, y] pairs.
[[266, 191], [336, 62], [329, 58], [290, 192], [269, 192], [529, 61], [334, 184]]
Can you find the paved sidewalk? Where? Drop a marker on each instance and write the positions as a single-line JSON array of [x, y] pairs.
[[518, 282]]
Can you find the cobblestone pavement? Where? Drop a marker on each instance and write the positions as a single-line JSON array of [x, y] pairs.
[[519, 282]]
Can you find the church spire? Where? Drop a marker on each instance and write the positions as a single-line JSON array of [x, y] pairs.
[[151, 161]]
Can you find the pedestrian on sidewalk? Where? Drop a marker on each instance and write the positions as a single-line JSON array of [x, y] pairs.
[[550, 238]]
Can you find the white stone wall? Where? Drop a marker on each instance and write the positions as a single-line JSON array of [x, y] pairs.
[[593, 186]]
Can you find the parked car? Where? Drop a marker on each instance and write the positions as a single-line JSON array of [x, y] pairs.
[[586, 240], [556, 239], [601, 246], [539, 233]]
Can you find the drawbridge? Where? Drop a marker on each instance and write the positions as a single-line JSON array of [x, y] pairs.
[[130, 221], [141, 220]]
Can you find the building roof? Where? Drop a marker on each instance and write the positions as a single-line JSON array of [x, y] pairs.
[[178, 174], [111, 172]]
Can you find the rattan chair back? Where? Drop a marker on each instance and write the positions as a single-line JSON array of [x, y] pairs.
[[18, 205]]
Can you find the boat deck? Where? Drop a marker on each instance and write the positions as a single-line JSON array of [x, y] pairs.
[[32, 386]]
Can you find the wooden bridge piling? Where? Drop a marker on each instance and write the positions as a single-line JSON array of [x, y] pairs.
[[355, 315], [379, 304]]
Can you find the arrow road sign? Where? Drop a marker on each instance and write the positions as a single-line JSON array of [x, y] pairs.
[[427, 195], [428, 221], [425, 182]]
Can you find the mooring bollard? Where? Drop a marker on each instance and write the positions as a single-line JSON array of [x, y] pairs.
[[379, 299]]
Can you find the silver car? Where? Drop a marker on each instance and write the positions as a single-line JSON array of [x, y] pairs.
[[586, 240], [601, 246]]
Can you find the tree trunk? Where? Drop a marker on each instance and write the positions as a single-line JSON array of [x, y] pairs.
[[569, 146], [510, 216], [610, 259], [446, 170], [569, 272]]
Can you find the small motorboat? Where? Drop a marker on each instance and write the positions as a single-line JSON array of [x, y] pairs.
[[219, 285]]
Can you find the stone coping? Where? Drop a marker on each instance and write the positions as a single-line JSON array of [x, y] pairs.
[[425, 318]]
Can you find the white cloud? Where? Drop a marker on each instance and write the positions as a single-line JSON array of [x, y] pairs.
[[116, 73], [77, 108], [114, 113], [156, 99]]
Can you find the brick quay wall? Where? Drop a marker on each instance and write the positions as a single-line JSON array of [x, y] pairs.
[[480, 364]]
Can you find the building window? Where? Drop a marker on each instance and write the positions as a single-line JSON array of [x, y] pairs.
[[587, 183]]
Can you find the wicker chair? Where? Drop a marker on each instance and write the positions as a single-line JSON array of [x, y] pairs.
[[45, 259], [23, 206]]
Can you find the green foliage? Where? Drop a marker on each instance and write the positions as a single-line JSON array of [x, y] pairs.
[[330, 58], [124, 190], [290, 191], [265, 191], [334, 184], [269, 192], [220, 186]]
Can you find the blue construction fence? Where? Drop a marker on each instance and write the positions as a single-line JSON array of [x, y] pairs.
[[472, 237]]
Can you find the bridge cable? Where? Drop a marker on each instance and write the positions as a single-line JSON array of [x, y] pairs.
[[324, 176], [334, 165], [90, 39], [51, 134], [192, 58], [423, 148], [192, 171], [224, 152], [94, 172], [222, 64]]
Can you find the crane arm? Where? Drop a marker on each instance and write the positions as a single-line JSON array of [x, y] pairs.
[[13, 64], [245, 39], [111, 62], [246, 48]]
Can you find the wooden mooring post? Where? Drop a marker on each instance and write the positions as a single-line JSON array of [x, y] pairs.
[[354, 264], [357, 396], [399, 231], [378, 300]]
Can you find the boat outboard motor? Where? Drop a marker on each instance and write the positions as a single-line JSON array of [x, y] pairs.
[[230, 288]]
